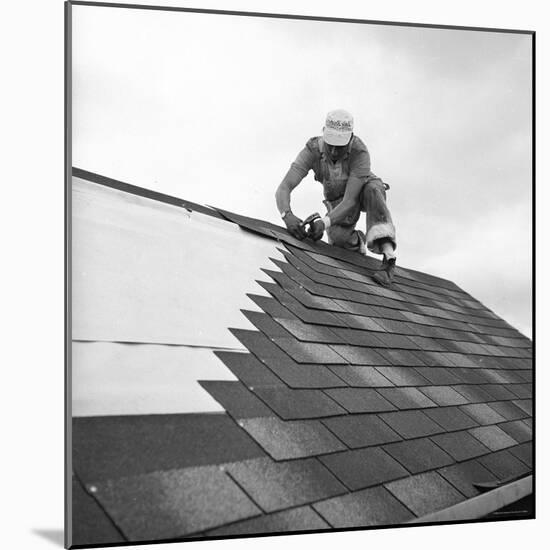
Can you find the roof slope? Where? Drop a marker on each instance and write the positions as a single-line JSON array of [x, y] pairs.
[[354, 406]]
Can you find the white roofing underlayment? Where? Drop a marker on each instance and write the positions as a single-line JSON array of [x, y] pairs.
[[154, 290]]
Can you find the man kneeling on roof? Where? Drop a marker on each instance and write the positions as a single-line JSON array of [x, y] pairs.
[[341, 162]]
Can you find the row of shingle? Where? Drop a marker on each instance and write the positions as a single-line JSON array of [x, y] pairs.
[[339, 275], [365, 303], [382, 307]]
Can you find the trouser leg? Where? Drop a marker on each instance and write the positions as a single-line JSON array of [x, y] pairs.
[[380, 229], [344, 236]]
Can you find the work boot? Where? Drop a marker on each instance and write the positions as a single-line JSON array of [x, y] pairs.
[[384, 276]]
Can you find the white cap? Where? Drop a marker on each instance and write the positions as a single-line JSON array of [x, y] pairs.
[[338, 127]]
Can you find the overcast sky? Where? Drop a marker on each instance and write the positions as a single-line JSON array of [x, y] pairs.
[[214, 108]]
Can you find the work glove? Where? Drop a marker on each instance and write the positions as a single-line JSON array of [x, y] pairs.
[[294, 226]]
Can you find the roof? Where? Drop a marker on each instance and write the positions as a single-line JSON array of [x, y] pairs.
[[327, 401]]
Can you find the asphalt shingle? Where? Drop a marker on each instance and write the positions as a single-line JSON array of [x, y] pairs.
[[425, 493], [236, 398], [109, 447], [410, 424], [248, 369], [292, 404], [402, 358], [444, 395], [358, 337], [308, 352], [406, 398], [357, 355], [482, 414], [438, 375], [524, 452], [402, 376], [367, 507], [175, 503], [279, 485], [460, 445], [518, 430], [361, 430], [451, 418], [463, 476], [294, 520], [360, 400], [361, 377], [508, 410], [504, 464], [303, 375], [362, 468], [419, 455], [292, 439], [307, 332], [493, 437]]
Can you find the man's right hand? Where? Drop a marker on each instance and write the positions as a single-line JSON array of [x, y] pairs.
[[294, 226]]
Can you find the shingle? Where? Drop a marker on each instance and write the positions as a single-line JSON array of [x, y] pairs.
[[524, 452], [409, 424], [424, 343], [402, 358], [451, 418], [396, 327], [298, 519], [292, 404], [507, 410], [303, 375], [444, 395], [291, 439], [425, 493], [361, 430], [493, 437], [90, 524], [115, 446], [473, 393], [435, 359], [264, 323], [525, 404], [498, 392], [361, 377], [256, 342], [517, 429], [175, 503], [406, 398], [357, 355], [272, 307], [359, 322], [309, 353], [279, 485], [248, 369], [358, 337], [308, 332], [418, 455], [460, 445], [236, 398], [315, 302], [362, 468], [375, 506], [482, 413], [504, 464], [438, 375], [463, 476], [523, 391], [359, 400], [402, 376], [397, 341]]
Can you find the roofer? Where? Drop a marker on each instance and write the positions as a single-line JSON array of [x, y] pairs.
[[341, 162]]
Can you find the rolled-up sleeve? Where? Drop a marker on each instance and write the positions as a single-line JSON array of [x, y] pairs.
[[360, 165], [299, 168]]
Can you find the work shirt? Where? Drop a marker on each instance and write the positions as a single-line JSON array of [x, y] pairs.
[[334, 176]]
